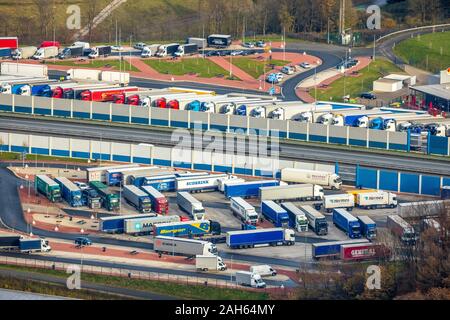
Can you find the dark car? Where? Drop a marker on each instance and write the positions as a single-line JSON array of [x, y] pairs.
[[82, 241], [368, 95]]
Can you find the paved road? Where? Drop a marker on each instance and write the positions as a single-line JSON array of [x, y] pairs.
[[22, 296], [136, 294], [287, 151]]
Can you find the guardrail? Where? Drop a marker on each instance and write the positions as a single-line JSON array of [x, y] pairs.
[[413, 29]]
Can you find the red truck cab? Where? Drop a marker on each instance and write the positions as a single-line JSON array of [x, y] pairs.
[[104, 95], [173, 104], [161, 103]]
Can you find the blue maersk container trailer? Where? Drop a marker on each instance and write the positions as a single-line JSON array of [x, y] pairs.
[[116, 224], [70, 192], [248, 189], [275, 214], [332, 249], [259, 237], [346, 222]]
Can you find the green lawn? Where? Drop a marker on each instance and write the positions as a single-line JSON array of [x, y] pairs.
[[8, 156], [429, 52], [113, 64], [202, 67], [354, 86], [254, 67], [200, 292]]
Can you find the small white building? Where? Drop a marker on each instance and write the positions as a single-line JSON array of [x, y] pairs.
[[387, 85], [405, 78]]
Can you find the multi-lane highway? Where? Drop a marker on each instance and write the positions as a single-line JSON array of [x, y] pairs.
[[287, 149]]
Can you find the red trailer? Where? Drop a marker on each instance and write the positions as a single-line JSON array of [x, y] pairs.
[[364, 251], [104, 95], [9, 42], [159, 202], [46, 44]]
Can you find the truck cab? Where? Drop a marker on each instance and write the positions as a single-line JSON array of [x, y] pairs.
[[338, 120], [198, 213], [258, 112], [301, 223], [326, 119], [210, 248], [289, 236]]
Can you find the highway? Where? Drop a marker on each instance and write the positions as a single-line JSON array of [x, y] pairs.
[[287, 150]]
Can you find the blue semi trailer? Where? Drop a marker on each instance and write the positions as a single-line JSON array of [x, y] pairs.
[[70, 192], [346, 222], [116, 224], [332, 249], [248, 189], [160, 183], [368, 227], [275, 214], [260, 237], [188, 229]]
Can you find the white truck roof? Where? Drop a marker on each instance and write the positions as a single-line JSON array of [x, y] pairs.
[[241, 202]]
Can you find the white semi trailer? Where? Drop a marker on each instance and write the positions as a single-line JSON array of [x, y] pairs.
[[325, 179], [183, 247]]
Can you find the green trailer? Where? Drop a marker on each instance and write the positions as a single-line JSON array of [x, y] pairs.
[[110, 200], [48, 188]]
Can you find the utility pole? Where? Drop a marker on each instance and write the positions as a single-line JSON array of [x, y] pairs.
[[374, 46]]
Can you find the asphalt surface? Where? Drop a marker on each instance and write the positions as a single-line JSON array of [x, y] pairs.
[[287, 151], [136, 294]]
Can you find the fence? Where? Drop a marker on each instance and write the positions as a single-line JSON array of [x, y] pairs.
[[309, 132]]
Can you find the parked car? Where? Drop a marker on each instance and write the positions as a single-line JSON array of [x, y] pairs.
[[81, 185], [249, 45], [279, 76], [139, 46], [83, 241], [288, 70], [368, 95], [117, 48], [305, 65], [273, 78], [237, 53], [261, 44]]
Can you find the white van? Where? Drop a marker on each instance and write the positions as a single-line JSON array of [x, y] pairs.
[[263, 270]]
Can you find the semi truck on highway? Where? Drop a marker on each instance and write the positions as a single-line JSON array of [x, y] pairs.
[[301, 192], [317, 221], [160, 205], [248, 189], [322, 178], [188, 229], [110, 200], [402, 229], [145, 226], [19, 243], [190, 205], [275, 214], [336, 201], [260, 237], [70, 192], [116, 224], [209, 263], [368, 227], [249, 279], [184, 247], [374, 200], [297, 218], [347, 223], [23, 53], [137, 198], [332, 249], [243, 210], [49, 188], [46, 53]]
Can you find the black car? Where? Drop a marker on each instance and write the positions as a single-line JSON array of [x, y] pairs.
[[211, 53], [368, 95]]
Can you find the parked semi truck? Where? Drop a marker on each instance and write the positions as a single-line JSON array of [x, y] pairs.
[[332, 249], [336, 201], [322, 178], [249, 279], [104, 95], [91, 199], [275, 214], [402, 229], [137, 198], [19, 243], [244, 211], [209, 263], [160, 204], [201, 183], [297, 218], [144, 226], [184, 247], [376, 200], [317, 221], [23, 53], [347, 223], [70, 192], [110, 200], [260, 237], [222, 183], [188, 228], [190, 205], [363, 251], [116, 224], [48, 188], [368, 227], [302, 192]]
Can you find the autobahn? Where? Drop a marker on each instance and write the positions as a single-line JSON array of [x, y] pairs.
[[288, 150]]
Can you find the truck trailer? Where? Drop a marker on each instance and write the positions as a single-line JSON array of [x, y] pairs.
[[301, 192], [9, 42], [243, 210], [70, 192], [184, 247], [336, 201], [118, 176], [160, 204], [48, 188], [322, 178], [347, 223], [202, 183], [188, 228], [317, 221], [116, 224], [260, 237], [71, 52], [402, 229], [376, 200], [332, 249], [368, 227], [137, 198], [20, 244], [190, 205], [201, 43], [219, 41], [99, 173], [104, 95], [363, 251], [145, 226], [297, 218], [275, 214], [110, 200], [23, 53]]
